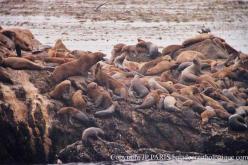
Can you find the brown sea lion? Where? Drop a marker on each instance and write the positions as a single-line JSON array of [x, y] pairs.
[[77, 67], [160, 67], [7, 42], [61, 90], [99, 95], [59, 50], [171, 49], [188, 56], [153, 84], [79, 100], [22, 63], [151, 99], [23, 38], [197, 38], [138, 86], [219, 109], [92, 132], [207, 114], [74, 116], [104, 79]]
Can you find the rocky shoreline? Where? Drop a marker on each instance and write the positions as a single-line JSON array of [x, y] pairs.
[[36, 129]]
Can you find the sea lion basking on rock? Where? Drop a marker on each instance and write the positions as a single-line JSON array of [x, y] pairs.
[[21, 64], [80, 66], [99, 95], [110, 83]]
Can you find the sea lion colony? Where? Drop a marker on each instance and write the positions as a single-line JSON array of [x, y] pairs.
[[204, 74]]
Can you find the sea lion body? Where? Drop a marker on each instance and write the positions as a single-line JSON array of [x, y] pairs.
[[107, 112], [75, 116], [151, 99], [191, 73], [77, 67], [188, 56], [22, 63], [79, 100], [100, 96], [237, 123], [207, 114], [91, 132], [138, 87], [118, 88], [61, 90]]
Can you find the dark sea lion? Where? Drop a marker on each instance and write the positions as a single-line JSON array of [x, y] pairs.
[[4, 76], [107, 112], [92, 132], [138, 87], [237, 123], [75, 116]]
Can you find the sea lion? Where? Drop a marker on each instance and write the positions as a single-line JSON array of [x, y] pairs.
[[21, 63], [152, 48], [92, 132], [100, 96], [77, 67], [237, 123], [151, 99], [168, 85], [116, 51], [160, 67], [207, 114], [153, 84], [138, 87], [79, 100], [7, 42], [219, 109], [22, 38], [191, 73], [197, 38], [170, 50], [230, 95], [188, 56], [61, 90], [107, 112], [103, 79], [170, 103], [59, 50], [75, 116]]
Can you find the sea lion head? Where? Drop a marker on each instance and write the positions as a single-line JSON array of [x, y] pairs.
[[92, 85], [99, 56]]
